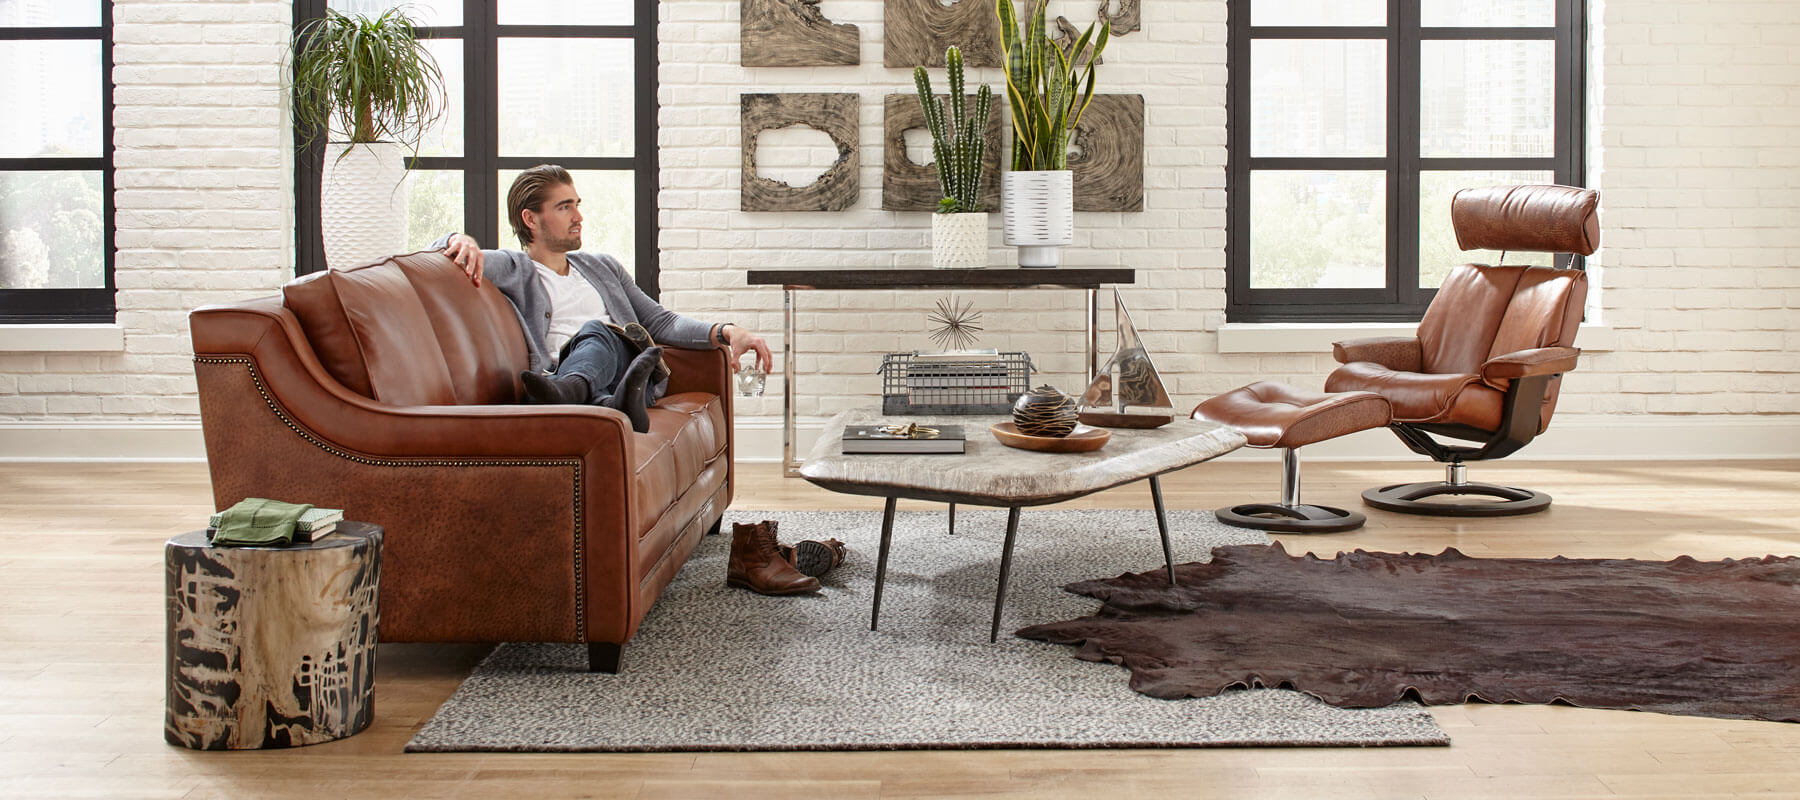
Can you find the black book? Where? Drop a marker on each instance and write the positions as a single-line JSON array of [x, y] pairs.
[[864, 439]]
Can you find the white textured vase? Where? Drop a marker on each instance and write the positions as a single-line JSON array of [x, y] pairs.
[[959, 241], [1039, 214], [363, 203]]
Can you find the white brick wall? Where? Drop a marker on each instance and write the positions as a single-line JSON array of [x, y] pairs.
[[1697, 106]]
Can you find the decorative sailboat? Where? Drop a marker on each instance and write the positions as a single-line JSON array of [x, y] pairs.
[[1126, 391]]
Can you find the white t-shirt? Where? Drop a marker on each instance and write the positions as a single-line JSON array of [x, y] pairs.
[[573, 301]]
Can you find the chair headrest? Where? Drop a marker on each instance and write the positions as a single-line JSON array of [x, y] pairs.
[[1546, 219]]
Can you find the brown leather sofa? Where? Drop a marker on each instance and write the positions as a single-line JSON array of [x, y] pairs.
[[1487, 362], [392, 391]]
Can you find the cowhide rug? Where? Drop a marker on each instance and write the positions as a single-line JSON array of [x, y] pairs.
[[1701, 638]]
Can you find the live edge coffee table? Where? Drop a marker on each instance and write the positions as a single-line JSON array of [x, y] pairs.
[[989, 473]]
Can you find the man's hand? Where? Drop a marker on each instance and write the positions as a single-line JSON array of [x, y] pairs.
[[463, 250], [742, 341]]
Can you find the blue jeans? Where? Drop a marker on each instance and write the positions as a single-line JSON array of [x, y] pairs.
[[600, 354]]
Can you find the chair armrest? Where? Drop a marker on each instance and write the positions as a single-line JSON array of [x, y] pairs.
[[1499, 371], [1398, 353]]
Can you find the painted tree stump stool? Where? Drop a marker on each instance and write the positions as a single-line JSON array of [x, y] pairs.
[[271, 646]]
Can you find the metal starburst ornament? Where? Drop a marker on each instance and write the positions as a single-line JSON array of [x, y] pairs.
[[956, 328]]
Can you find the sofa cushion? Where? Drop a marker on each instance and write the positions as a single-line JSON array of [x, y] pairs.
[[412, 330]]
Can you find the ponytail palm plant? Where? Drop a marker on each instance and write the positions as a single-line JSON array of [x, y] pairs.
[[1047, 88], [958, 138], [368, 78]]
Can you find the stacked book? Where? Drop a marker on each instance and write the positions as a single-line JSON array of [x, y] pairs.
[[869, 439], [315, 524], [956, 377]]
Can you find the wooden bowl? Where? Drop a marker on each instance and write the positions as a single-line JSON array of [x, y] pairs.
[[1081, 440]]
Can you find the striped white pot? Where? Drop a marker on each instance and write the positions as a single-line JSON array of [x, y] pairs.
[[363, 203], [1039, 212], [959, 241]]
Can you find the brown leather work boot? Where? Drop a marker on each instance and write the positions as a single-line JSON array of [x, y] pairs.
[[757, 565], [812, 557]]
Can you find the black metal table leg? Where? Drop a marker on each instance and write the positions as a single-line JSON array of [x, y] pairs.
[[887, 538], [1012, 530], [952, 519], [1162, 526]]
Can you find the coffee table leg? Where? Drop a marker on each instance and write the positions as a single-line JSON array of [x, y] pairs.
[[1162, 526], [952, 519], [887, 537], [1012, 530]]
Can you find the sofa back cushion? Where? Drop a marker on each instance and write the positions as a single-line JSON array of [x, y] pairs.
[[411, 330]]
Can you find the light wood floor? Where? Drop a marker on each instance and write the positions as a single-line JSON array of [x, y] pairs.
[[81, 675]]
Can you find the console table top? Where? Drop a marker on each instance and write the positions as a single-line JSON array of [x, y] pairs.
[[841, 277]]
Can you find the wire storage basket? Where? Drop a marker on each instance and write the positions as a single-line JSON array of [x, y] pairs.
[[931, 383]]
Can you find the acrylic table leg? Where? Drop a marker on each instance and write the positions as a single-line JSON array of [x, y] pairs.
[[1012, 530], [887, 538], [1093, 335], [1162, 526], [790, 466]]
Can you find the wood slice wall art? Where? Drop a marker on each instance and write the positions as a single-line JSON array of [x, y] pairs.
[[1129, 18], [1109, 158], [908, 186], [918, 31], [793, 33], [832, 114]]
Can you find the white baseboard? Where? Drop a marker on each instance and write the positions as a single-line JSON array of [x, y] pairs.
[[1570, 438]]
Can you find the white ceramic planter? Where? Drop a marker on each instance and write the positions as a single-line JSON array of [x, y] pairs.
[[959, 241], [1039, 214], [363, 203]]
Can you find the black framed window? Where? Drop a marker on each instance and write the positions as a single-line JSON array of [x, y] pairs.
[[1352, 122], [529, 82], [56, 173]]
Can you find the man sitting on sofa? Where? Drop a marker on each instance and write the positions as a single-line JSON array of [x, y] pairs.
[[590, 330]]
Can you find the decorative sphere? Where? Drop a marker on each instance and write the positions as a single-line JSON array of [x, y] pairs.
[[1044, 411]]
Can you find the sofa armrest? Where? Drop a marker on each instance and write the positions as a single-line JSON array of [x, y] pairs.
[[1500, 371], [1398, 353], [703, 370]]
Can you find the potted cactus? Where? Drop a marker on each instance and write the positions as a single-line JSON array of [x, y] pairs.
[[958, 144]]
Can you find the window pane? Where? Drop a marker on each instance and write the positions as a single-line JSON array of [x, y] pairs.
[[1487, 98], [50, 230], [560, 12], [446, 137], [51, 93], [424, 13], [1318, 98], [608, 212], [1437, 238], [49, 13], [1318, 12], [435, 206], [566, 97], [1488, 13], [1318, 230]]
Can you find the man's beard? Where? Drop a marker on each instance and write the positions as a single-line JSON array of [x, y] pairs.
[[564, 244]]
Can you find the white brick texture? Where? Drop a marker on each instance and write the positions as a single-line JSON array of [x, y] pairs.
[[1694, 111]]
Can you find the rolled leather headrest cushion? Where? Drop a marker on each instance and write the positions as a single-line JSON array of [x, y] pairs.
[[1547, 219]]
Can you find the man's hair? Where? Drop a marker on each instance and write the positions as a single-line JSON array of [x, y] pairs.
[[528, 191]]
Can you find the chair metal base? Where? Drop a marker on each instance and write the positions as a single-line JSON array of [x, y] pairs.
[[1408, 498], [1290, 519]]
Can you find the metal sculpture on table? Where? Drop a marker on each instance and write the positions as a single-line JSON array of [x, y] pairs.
[[1127, 391]]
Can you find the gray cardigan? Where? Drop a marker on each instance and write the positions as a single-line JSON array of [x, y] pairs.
[[515, 275]]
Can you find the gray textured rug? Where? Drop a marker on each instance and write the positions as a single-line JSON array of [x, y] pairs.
[[717, 668]]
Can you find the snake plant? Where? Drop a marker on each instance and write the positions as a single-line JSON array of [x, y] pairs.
[[958, 138], [1047, 88]]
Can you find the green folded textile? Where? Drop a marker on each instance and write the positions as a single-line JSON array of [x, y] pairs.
[[256, 521]]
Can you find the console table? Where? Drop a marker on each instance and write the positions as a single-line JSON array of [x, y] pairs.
[[898, 278]]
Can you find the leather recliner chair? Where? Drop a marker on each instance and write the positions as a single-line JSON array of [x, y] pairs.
[[392, 391], [1486, 365]]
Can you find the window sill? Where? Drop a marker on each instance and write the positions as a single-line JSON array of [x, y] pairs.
[[1317, 337], [94, 338]]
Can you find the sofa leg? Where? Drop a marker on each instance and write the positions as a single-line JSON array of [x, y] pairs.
[[717, 524], [604, 657]]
